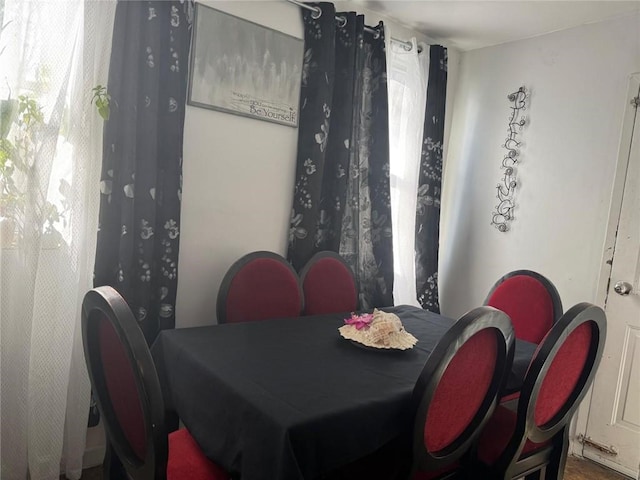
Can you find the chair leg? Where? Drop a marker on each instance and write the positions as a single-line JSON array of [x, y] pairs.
[[112, 468], [558, 460], [412, 472], [171, 420]]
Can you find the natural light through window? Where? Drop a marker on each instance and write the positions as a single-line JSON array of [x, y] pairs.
[[52, 54], [36, 152], [407, 84]]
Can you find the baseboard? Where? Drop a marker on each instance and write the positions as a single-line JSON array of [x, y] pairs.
[[609, 464], [93, 457], [95, 447]]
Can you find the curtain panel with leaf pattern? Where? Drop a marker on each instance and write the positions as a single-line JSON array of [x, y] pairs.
[[139, 224], [342, 193], [430, 183]]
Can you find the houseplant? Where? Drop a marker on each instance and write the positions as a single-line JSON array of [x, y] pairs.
[[20, 122]]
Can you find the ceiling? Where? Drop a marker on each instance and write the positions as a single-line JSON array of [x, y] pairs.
[[468, 25]]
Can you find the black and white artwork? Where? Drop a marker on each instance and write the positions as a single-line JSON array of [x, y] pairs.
[[244, 68]]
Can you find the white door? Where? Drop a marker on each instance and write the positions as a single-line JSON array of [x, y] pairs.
[[613, 427]]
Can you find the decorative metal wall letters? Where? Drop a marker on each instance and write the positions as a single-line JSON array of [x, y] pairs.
[[503, 213]]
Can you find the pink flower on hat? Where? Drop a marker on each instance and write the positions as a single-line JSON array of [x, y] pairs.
[[359, 321]]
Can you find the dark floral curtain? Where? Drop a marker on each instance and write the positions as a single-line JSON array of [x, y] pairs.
[[342, 194], [139, 226], [430, 181]]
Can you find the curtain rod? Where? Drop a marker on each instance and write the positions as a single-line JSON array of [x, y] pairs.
[[342, 21]]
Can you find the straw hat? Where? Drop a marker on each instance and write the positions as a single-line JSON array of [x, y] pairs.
[[378, 330]]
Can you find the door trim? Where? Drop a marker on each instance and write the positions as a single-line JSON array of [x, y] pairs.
[[579, 423]]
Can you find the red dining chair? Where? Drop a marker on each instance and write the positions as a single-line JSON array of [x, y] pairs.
[[453, 398], [531, 301], [259, 286], [533, 438], [328, 284], [127, 391], [457, 391]]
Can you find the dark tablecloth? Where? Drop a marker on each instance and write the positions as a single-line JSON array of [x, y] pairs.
[[290, 398]]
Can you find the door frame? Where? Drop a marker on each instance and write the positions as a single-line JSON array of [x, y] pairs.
[[579, 424]]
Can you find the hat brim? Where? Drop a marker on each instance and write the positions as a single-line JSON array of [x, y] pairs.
[[401, 340]]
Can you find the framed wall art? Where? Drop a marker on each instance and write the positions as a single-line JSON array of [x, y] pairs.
[[244, 68]]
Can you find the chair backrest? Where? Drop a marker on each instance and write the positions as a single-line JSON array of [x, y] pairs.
[[458, 387], [259, 286], [329, 285], [531, 301], [125, 384], [560, 373]]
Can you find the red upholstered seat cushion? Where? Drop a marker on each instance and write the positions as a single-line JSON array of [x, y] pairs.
[[564, 373], [496, 436], [264, 288], [511, 396], [461, 390], [186, 460], [329, 288], [528, 304], [121, 385]]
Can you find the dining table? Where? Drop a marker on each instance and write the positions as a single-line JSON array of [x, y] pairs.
[[289, 398]]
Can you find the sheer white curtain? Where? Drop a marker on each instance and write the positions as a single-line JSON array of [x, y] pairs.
[[52, 54], [407, 74]]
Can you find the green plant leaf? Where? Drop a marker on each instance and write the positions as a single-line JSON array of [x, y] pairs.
[[8, 112], [102, 99], [103, 109]]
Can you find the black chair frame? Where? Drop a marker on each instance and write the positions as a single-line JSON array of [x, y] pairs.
[[476, 320], [509, 465], [328, 254], [238, 265], [106, 303], [550, 287]]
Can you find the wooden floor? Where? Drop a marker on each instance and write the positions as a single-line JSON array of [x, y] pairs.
[[577, 469], [580, 469]]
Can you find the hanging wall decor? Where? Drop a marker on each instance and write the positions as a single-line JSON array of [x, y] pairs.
[[503, 212], [244, 68]]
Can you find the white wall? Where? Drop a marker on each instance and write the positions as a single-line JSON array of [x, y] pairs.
[[238, 176], [237, 184], [578, 79]]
